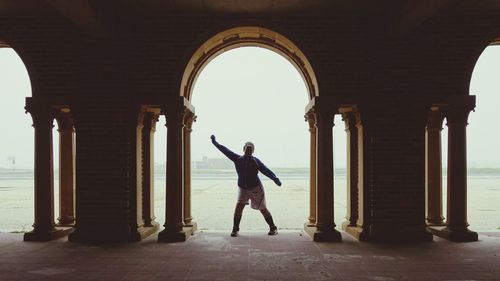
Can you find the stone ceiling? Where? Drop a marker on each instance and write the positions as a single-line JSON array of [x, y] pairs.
[[94, 15]]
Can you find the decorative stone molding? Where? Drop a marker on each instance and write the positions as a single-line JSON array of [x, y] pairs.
[[247, 36]]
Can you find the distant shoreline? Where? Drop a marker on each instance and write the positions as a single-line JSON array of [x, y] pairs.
[[474, 171]]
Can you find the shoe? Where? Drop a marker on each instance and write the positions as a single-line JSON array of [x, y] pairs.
[[234, 233], [273, 231]]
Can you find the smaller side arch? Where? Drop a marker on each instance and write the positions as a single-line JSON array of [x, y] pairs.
[[478, 51], [247, 36], [8, 42]]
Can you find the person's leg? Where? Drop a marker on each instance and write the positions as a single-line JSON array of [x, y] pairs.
[[273, 230], [238, 212]]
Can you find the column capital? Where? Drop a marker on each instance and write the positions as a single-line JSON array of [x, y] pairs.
[[150, 120], [458, 113], [320, 115], [435, 120], [189, 119], [350, 119], [310, 117], [41, 113], [176, 110], [136, 116], [455, 109], [324, 118], [65, 121]]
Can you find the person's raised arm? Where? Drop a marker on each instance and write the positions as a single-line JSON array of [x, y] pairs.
[[226, 151], [268, 173]]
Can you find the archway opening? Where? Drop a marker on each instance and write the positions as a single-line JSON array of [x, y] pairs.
[[483, 167], [16, 145], [159, 169], [250, 94], [483, 139], [22, 204]]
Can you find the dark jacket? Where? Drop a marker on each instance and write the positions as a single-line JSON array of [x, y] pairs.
[[247, 168]]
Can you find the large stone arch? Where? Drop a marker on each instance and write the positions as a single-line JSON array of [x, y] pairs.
[[247, 36], [320, 223]]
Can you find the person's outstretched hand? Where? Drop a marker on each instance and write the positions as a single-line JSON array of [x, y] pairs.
[[277, 182], [213, 138]]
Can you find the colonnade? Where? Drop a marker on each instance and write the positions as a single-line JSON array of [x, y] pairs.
[[455, 227], [320, 226], [44, 227]]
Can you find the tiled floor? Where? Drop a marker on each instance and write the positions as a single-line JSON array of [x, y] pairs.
[[252, 256]]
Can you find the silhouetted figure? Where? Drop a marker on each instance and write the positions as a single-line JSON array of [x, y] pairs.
[[250, 186]]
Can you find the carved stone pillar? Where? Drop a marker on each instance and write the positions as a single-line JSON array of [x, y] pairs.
[[433, 169], [456, 225], [189, 118], [352, 169], [148, 131], [174, 222], [137, 230], [324, 229], [66, 131], [43, 228], [361, 228], [311, 119]]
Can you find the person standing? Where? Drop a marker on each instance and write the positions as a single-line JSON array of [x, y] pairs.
[[250, 187]]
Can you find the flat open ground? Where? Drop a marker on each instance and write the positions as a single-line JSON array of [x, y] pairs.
[[252, 256]]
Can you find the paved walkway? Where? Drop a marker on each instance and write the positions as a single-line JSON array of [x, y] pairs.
[[252, 256]]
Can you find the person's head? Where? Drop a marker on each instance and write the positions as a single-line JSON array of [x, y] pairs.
[[248, 148]]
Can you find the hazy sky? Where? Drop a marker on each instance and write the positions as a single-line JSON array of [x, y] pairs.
[[251, 94]]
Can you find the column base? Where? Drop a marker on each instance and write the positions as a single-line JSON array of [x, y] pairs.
[[437, 222], [169, 236], [144, 231], [66, 222], [191, 227], [357, 232], [454, 235], [53, 234], [322, 236]]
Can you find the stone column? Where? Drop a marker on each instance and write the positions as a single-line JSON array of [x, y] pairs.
[[137, 230], [361, 228], [433, 169], [311, 119], [174, 221], [325, 225], [66, 168], [189, 118], [148, 131], [457, 226], [352, 169], [43, 228]]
